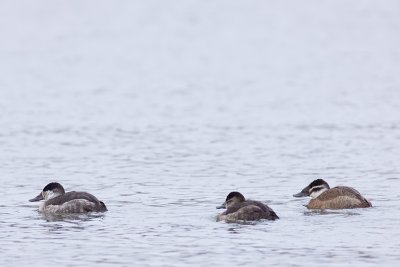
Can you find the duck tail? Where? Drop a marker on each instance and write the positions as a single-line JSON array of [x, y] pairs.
[[274, 215], [103, 206], [367, 203]]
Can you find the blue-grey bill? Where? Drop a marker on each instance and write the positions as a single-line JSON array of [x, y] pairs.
[[221, 206], [37, 198], [300, 194]]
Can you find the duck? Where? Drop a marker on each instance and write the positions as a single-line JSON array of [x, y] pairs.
[[240, 209], [339, 197], [56, 200]]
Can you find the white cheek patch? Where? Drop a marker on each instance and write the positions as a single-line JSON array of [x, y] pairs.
[[317, 191], [49, 195]]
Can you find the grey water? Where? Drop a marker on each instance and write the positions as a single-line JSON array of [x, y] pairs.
[[161, 108]]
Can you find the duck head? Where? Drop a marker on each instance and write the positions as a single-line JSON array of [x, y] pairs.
[[314, 189], [51, 190], [231, 199]]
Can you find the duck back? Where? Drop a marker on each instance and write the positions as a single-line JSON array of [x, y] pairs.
[[340, 197], [248, 210], [74, 202]]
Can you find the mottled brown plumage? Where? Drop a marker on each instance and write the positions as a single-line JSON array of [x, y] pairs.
[[57, 201], [340, 197], [74, 202]]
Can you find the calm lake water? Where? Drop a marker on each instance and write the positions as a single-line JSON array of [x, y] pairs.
[[161, 108]]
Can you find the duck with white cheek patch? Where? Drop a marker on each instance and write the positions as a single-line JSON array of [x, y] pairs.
[[339, 197], [57, 201]]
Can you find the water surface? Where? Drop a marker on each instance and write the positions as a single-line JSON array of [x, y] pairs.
[[161, 108]]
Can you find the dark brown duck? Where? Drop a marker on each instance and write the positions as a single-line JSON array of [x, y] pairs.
[[240, 209]]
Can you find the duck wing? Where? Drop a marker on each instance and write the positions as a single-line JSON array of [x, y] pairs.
[[246, 213], [265, 208], [73, 195], [75, 202], [234, 208], [343, 191], [339, 191]]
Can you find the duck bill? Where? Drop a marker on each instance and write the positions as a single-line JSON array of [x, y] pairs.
[[221, 206], [302, 193], [37, 198]]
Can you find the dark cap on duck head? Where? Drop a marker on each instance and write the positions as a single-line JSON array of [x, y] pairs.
[[230, 196], [306, 190], [56, 187]]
